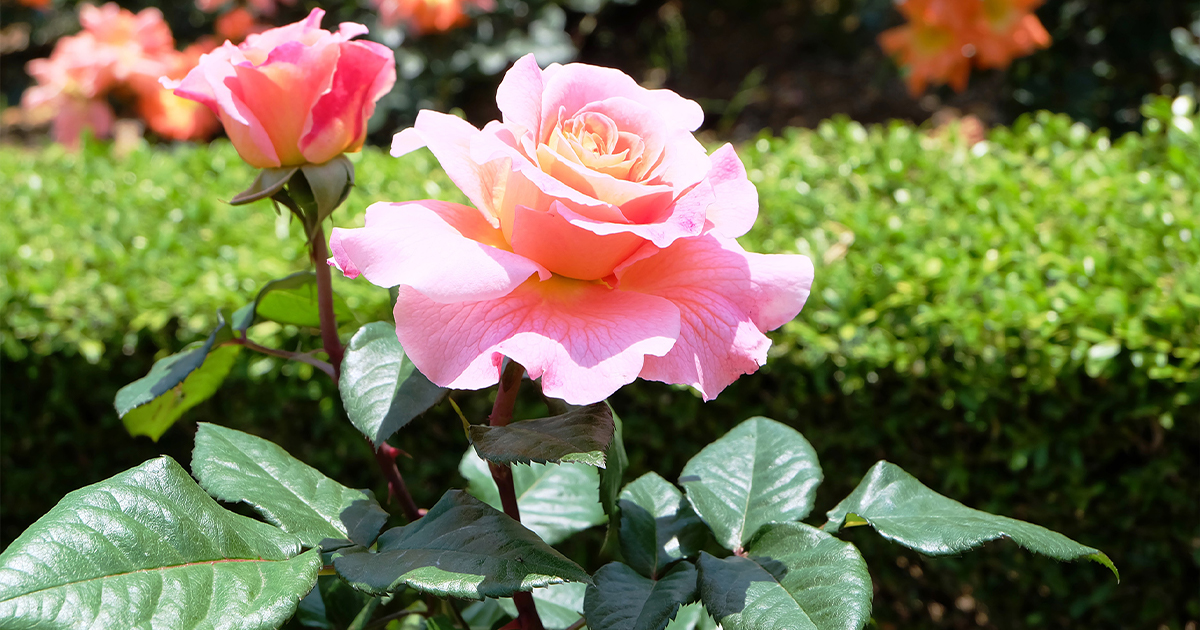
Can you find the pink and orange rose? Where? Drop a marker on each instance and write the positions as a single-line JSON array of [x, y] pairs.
[[601, 246], [294, 95]]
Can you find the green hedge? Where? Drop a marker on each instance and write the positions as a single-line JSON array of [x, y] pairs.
[[1016, 322]]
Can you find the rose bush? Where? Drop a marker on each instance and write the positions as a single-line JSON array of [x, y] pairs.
[[296, 94], [601, 246]]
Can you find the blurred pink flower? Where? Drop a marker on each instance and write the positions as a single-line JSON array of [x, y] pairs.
[[423, 16], [73, 83], [171, 116], [601, 247], [295, 94]]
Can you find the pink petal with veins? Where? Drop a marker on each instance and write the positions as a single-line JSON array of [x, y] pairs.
[[582, 339], [445, 251], [723, 295]]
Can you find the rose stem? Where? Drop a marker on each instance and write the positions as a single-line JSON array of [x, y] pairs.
[[329, 334], [385, 456], [502, 413], [333, 347]]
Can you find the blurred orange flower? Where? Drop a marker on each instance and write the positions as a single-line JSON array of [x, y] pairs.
[[930, 46], [944, 38], [172, 116], [237, 24], [1007, 29], [425, 16]]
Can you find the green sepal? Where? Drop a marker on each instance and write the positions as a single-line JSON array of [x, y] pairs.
[[268, 182], [330, 184]]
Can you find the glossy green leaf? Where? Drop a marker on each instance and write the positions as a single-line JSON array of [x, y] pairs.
[[559, 605], [658, 525], [761, 472], [289, 300], [556, 500], [621, 599], [581, 435], [381, 389], [149, 549], [904, 510], [151, 404], [693, 617], [616, 461], [268, 182], [234, 466], [461, 548], [797, 577]]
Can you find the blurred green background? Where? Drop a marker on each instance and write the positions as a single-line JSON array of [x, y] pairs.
[[1015, 321]]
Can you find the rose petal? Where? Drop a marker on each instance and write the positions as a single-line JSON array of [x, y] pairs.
[[673, 155], [723, 296], [520, 95], [582, 339], [284, 89], [442, 250], [497, 143], [338, 121], [450, 139], [782, 283], [209, 83], [736, 206], [575, 85], [685, 217], [547, 237]]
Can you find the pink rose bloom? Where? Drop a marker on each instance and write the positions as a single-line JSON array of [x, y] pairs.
[[601, 246], [295, 94]]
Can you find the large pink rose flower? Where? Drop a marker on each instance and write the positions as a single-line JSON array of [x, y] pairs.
[[600, 248], [295, 94]]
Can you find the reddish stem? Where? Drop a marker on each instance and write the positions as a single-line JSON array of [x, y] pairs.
[[385, 456], [502, 413], [329, 334]]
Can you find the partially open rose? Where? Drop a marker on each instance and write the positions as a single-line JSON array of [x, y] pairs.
[[601, 246], [295, 94]]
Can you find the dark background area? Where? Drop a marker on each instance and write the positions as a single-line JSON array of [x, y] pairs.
[[754, 65]]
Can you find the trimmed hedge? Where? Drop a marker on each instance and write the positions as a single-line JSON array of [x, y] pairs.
[[1016, 322]]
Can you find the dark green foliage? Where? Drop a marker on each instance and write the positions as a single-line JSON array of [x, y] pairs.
[[918, 345], [461, 548], [581, 435]]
